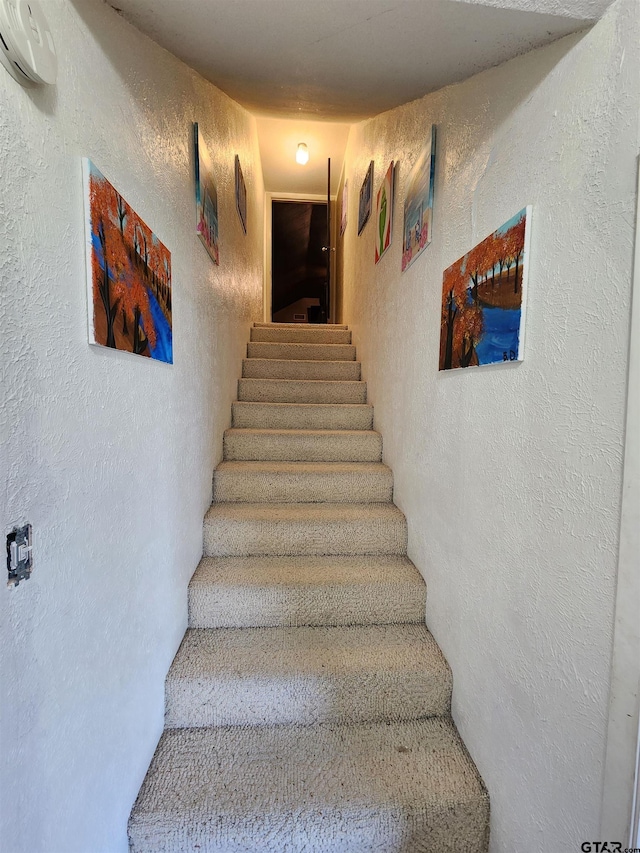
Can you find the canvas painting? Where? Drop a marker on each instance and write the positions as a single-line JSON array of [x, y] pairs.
[[366, 194], [241, 196], [128, 274], [206, 198], [345, 201], [384, 213], [483, 299], [418, 204]]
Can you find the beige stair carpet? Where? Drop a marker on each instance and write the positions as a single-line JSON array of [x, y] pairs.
[[254, 415], [307, 709], [282, 368], [367, 788], [311, 482], [301, 391], [242, 529], [248, 592], [302, 351], [296, 326], [303, 445], [299, 334], [267, 676]]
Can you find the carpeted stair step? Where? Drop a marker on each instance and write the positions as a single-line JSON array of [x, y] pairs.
[[301, 391], [298, 334], [308, 707], [299, 325], [308, 482], [298, 445], [249, 415], [274, 676], [282, 368], [302, 352], [367, 788], [243, 529], [249, 592]]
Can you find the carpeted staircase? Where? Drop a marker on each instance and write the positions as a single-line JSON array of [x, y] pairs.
[[307, 708]]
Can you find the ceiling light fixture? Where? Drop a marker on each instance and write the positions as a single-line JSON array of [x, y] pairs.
[[302, 154]]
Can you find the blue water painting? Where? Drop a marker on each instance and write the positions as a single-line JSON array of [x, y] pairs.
[[163, 350], [483, 307], [500, 339]]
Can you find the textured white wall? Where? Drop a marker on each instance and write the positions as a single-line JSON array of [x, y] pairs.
[[510, 476], [108, 455]]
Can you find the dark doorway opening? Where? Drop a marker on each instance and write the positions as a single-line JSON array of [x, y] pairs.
[[299, 262]]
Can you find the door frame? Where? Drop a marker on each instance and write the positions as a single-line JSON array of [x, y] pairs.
[[270, 197], [337, 279], [620, 818]]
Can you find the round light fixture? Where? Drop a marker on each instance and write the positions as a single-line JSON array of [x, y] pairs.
[[302, 154], [26, 46]]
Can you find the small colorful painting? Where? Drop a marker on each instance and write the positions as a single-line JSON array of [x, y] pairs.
[[384, 213], [418, 204], [128, 274], [366, 194], [483, 299], [241, 196], [345, 202], [206, 198]]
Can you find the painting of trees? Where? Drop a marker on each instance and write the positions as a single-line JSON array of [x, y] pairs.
[[482, 312], [129, 275]]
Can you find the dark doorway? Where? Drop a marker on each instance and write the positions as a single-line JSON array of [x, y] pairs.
[[299, 264]]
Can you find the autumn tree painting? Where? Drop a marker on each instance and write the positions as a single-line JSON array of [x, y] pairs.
[[482, 317], [129, 275]]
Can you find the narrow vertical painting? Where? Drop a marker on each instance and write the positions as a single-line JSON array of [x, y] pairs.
[[343, 210], [384, 213], [483, 299], [418, 204], [366, 194], [241, 195], [206, 198], [128, 274]]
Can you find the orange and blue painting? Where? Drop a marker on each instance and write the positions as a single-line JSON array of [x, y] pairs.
[[128, 275], [206, 198], [418, 203], [483, 299]]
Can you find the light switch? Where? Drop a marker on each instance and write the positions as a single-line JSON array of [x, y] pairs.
[[19, 555]]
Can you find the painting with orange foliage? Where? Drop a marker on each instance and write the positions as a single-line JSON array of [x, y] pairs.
[[483, 299], [128, 274]]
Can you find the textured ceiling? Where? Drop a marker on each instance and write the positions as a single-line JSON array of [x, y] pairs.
[[346, 60], [308, 68]]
